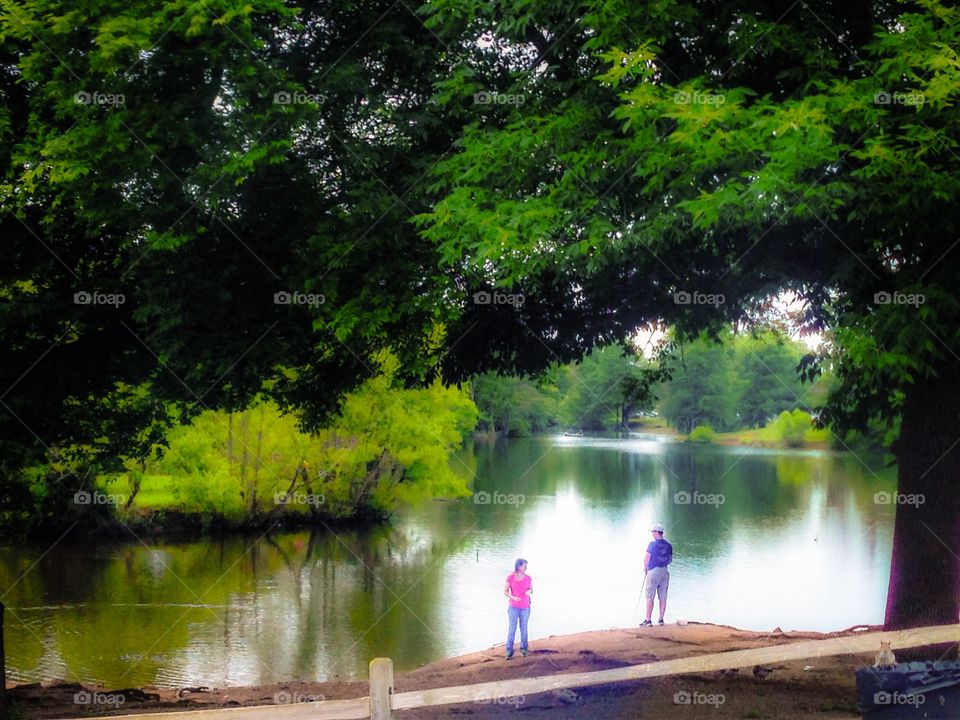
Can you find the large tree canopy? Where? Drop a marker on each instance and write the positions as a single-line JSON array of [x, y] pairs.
[[686, 161], [203, 202]]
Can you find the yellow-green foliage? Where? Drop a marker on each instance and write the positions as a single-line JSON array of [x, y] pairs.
[[404, 436], [386, 447], [702, 434], [793, 428]]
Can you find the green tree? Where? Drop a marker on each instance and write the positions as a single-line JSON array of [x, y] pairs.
[[767, 368], [201, 205], [602, 390], [386, 446], [514, 406], [685, 162], [702, 389]]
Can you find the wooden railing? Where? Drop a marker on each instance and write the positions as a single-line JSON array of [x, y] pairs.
[[383, 699]]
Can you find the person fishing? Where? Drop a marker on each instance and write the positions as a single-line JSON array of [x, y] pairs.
[[517, 589], [657, 578]]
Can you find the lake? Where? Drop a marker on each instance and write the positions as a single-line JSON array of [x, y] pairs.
[[762, 539]]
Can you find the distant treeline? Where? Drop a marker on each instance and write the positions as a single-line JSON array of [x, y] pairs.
[[735, 382]]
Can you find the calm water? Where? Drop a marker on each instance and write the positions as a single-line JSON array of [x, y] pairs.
[[798, 542]]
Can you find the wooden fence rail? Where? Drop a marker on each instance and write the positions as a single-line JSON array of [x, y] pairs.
[[383, 699]]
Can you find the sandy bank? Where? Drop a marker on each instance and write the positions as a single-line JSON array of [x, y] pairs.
[[821, 688]]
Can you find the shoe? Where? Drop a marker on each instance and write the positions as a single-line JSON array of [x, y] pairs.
[[660, 621], [646, 623], [509, 655], [523, 653]]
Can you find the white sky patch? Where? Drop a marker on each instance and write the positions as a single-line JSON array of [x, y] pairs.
[[787, 308]]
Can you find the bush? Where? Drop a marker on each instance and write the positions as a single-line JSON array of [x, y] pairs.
[[387, 446], [702, 434], [791, 428]]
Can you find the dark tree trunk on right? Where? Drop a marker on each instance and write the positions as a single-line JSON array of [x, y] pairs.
[[924, 584]]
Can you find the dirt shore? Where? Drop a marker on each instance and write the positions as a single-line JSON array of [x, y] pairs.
[[818, 688]]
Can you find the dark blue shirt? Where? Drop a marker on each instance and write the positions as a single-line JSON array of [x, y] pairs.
[[661, 553]]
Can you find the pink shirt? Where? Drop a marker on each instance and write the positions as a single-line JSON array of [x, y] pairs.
[[519, 588]]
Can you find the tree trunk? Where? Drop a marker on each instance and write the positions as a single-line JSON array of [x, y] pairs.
[[247, 490], [229, 438], [136, 480], [256, 467], [925, 565]]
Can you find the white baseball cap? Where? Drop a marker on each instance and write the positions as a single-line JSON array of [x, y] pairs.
[[657, 527]]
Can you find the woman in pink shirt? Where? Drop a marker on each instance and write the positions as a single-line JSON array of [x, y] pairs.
[[517, 589]]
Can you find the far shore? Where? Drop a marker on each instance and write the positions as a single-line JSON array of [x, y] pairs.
[[656, 426], [744, 438], [821, 688]]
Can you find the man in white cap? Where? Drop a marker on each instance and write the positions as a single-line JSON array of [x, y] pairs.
[[659, 556]]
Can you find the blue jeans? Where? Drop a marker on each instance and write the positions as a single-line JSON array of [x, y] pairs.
[[515, 614]]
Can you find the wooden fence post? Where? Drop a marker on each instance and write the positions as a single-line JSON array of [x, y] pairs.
[[381, 688], [3, 666]]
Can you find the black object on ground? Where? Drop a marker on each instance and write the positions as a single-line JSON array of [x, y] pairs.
[[929, 690]]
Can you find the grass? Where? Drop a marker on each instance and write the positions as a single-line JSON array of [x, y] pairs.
[[756, 437], [651, 424], [766, 437], [156, 491]]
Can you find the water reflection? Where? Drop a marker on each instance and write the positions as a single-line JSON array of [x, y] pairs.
[[797, 542]]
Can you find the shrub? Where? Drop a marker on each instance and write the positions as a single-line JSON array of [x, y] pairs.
[[702, 434], [791, 427]]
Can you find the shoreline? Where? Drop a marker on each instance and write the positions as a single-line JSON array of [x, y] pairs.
[[736, 438], [176, 525], [183, 527], [824, 687]]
